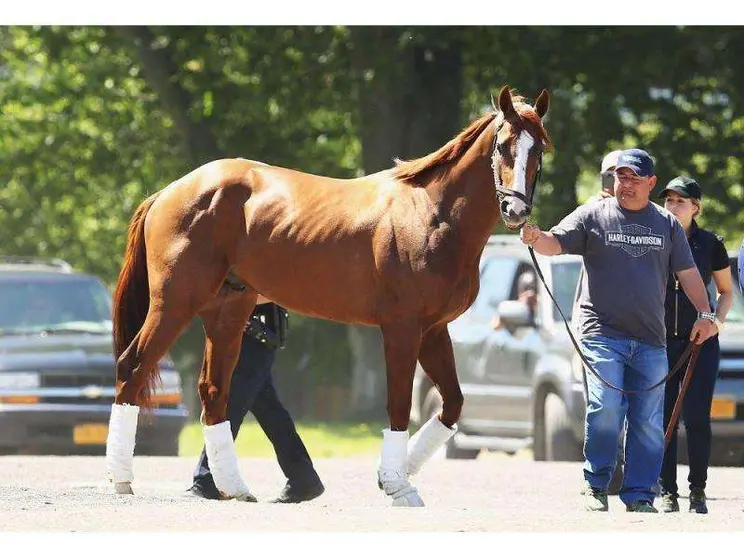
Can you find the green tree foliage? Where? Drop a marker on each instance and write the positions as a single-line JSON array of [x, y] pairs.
[[82, 140], [675, 91]]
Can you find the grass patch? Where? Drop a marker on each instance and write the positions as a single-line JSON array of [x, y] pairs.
[[322, 439]]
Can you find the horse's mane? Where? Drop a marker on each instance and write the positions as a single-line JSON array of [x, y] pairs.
[[410, 170]]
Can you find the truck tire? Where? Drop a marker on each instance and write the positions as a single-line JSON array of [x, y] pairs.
[[560, 443]]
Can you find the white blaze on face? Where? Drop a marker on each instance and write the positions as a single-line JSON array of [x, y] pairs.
[[524, 143]]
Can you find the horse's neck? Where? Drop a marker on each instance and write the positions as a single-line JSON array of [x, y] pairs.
[[467, 200]]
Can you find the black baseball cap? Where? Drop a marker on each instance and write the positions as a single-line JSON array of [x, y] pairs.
[[684, 186]]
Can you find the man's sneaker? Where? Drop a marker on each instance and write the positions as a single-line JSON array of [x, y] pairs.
[[697, 501], [641, 506], [595, 499], [669, 503]]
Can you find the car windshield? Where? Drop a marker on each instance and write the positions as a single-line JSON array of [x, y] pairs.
[[565, 278], [495, 284], [32, 306]]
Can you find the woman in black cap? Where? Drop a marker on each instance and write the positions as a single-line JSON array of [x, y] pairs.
[[682, 197]]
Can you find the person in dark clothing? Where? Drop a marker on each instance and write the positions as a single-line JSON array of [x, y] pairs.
[[682, 197], [252, 389]]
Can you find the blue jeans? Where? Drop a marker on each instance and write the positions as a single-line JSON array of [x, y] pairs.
[[629, 364]]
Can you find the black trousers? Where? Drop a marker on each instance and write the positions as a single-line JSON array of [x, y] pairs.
[[252, 389], [695, 413]]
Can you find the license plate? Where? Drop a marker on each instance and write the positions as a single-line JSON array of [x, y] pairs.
[[723, 408], [90, 434]]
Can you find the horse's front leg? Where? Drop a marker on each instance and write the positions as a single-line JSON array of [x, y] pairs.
[[438, 361], [401, 341]]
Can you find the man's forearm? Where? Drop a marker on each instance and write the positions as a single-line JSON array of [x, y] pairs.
[[547, 244], [694, 288]]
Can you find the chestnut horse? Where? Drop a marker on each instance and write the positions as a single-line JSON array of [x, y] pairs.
[[398, 249]]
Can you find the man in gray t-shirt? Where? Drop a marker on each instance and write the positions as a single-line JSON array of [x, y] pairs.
[[629, 245], [627, 255]]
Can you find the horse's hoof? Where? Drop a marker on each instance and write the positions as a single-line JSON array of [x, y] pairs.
[[247, 497], [410, 500], [124, 488]]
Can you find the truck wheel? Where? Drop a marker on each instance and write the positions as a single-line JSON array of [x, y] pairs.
[[560, 444]]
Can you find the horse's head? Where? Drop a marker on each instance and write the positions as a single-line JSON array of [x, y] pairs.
[[519, 143]]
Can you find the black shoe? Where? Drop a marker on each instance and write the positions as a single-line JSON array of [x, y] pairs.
[[641, 506], [199, 491], [698, 501], [293, 495]]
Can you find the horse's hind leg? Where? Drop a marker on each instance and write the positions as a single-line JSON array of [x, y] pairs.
[[224, 321], [134, 373], [401, 341], [175, 297], [438, 361]]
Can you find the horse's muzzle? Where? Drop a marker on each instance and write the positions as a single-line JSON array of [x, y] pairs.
[[515, 215]]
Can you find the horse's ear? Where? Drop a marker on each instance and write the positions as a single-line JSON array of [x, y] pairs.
[[505, 101], [543, 103]]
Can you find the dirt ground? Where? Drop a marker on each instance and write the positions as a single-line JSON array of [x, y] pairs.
[[494, 493]]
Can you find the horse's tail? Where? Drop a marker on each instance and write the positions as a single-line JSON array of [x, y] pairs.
[[132, 294]]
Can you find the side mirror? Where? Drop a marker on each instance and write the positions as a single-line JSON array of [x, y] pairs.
[[514, 314]]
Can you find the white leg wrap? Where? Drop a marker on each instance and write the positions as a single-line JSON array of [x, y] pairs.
[[120, 443], [223, 462], [426, 442], [391, 475]]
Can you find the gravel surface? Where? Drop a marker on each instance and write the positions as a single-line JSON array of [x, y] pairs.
[[494, 493]]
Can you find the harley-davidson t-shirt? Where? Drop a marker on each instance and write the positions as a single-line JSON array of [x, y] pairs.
[[627, 256]]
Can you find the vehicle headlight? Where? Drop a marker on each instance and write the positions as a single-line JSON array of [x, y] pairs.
[[171, 379], [19, 380]]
